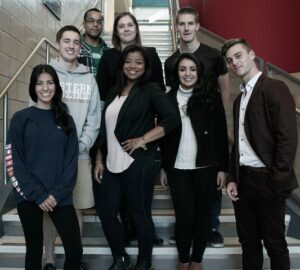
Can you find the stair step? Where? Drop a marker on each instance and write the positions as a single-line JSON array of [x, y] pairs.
[[164, 257]]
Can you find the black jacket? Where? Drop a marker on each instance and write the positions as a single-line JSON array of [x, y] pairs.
[[137, 116], [271, 129], [211, 135], [108, 69]]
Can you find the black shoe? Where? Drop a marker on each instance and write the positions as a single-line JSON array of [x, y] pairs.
[[172, 240], [84, 266], [120, 263], [49, 266], [143, 265], [216, 240], [157, 240]]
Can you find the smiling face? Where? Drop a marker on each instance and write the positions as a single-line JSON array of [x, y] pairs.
[[134, 66], [69, 47], [93, 24], [241, 61], [187, 27], [187, 73], [45, 90], [126, 30]]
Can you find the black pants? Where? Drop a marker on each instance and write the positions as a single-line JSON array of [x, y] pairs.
[[193, 193], [66, 223], [136, 184], [260, 213]]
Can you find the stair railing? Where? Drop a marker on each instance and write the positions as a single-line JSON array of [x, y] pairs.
[[4, 94], [173, 7]]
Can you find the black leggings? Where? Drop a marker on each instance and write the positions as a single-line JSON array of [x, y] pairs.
[[66, 223], [193, 193]]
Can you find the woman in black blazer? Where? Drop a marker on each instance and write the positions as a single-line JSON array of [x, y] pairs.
[[125, 32], [129, 137], [195, 158]]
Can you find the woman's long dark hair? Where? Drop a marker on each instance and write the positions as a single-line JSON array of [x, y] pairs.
[[58, 107], [121, 78], [205, 91]]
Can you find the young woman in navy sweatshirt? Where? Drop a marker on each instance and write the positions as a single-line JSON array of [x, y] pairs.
[[41, 160]]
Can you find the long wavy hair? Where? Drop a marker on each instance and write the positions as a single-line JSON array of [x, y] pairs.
[[205, 90], [58, 107], [121, 78]]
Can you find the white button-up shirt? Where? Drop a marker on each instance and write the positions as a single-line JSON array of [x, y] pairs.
[[247, 155]]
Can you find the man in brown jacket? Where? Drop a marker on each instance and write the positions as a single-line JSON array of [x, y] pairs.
[[261, 174]]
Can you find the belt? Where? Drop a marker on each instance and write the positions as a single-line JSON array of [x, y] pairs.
[[255, 169]]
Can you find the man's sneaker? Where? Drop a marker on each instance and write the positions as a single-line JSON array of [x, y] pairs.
[[172, 240], [216, 240]]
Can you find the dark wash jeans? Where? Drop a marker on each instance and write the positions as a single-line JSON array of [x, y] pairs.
[[66, 223], [260, 213], [136, 185]]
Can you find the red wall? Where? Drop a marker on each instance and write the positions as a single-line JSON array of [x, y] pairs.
[[271, 26]]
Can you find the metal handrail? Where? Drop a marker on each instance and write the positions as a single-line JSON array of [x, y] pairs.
[[3, 94], [173, 6], [37, 47]]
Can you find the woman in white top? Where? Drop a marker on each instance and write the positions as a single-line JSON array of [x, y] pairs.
[[128, 140], [195, 157]]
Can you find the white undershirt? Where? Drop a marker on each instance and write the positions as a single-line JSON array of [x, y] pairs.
[[117, 159], [187, 150], [247, 155]]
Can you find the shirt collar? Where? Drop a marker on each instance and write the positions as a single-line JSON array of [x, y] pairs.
[[250, 84]]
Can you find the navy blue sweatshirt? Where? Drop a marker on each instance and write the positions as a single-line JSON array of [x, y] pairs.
[[41, 159]]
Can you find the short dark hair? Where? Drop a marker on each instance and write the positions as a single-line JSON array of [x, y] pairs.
[[58, 107], [121, 79], [90, 10], [231, 42], [115, 37], [187, 10], [65, 28]]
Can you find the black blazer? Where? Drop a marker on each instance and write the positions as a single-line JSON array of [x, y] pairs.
[[137, 116], [211, 135], [108, 69], [270, 127]]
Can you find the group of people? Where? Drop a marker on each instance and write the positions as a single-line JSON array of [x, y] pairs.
[[98, 118]]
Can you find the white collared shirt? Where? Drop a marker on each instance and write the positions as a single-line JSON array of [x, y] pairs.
[[247, 155]]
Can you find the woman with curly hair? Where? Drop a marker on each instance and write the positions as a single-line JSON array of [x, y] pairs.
[[195, 157]]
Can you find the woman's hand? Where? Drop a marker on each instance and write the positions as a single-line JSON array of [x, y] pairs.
[[48, 204], [221, 179], [163, 179], [132, 144], [98, 171]]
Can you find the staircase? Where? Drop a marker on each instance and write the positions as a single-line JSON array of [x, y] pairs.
[[95, 249], [97, 253]]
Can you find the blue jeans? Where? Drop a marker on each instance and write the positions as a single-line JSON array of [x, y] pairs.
[[136, 184]]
